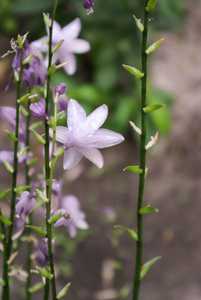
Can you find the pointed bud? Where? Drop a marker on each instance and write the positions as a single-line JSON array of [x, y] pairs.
[[154, 46], [139, 24]]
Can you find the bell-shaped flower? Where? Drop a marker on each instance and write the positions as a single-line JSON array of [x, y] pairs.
[[38, 110], [42, 254], [83, 136], [71, 44], [26, 205]]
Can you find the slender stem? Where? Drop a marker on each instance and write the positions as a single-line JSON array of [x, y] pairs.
[[46, 289], [138, 265], [5, 292]]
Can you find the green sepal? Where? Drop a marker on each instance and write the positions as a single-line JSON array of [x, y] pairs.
[[151, 4], [2, 236], [44, 273], [22, 188], [38, 137], [54, 218], [153, 107], [134, 169], [37, 229], [133, 71], [5, 220], [147, 209], [154, 46], [35, 125], [8, 166], [23, 98], [2, 282], [132, 233], [140, 26], [36, 287], [145, 268], [57, 46], [19, 41], [60, 151], [47, 20], [59, 115], [51, 70], [5, 193], [52, 123], [63, 291], [41, 196], [24, 37], [11, 136], [22, 152], [32, 161]]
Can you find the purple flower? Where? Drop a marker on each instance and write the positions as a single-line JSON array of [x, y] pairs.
[[38, 110], [43, 254], [26, 204], [72, 216], [71, 44], [83, 136], [88, 5], [60, 89], [8, 156]]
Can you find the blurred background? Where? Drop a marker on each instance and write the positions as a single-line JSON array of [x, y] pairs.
[[100, 261]]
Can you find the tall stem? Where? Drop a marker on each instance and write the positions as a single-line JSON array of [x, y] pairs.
[[142, 160], [5, 292]]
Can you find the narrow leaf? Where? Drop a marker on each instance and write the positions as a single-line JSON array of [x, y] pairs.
[[54, 218], [44, 273], [147, 209], [8, 166], [133, 71], [132, 233], [36, 287], [5, 193], [145, 268], [2, 236], [134, 169], [32, 161], [2, 282], [51, 70], [153, 107], [59, 115], [151, 4], [23, 98], [5, 220], [137, 129], [22, 188], [139, 24], [37, 229], [27, 59], [22, 152], [42, 196], [63, 291], [38, 137], [57, 46], [59, 151], [11, 136], [35, 125], [153, 47]]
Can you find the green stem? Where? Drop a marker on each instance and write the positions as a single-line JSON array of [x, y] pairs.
[[46, 289], [5, 292], [138, 265]]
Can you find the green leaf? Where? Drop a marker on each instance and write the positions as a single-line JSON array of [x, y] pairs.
[[5, 193], [11, 136], [23, 98], [19, 41], [38, 137], [57, 46], [22, 188], [153, 107], [139, 24], [54, 218], [133, 71], [134, 169], [42, 196], [147, 209], [51, 70], [22, 152], [35, 125], [154, 46], [32, 161], [36, 287], [60, 151], [27, 60], [145, 268], [132, 233], [2, 236], [37, 229], [5, 220], [8, 166], [63, 291], [44, 273], [59, 115], [151, 4], [2, 282]]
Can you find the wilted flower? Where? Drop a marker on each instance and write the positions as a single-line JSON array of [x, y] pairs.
[[26, 204], [88, 5], [83, 136], [69, 47], [38, 110]]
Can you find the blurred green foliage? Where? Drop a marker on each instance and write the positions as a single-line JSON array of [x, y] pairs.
[[114, 40]]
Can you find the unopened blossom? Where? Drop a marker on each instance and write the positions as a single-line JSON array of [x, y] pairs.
[[26, 205], [43, 254], [88, 5], [83, 136], [38, 110], [71, 44], [60, 89]]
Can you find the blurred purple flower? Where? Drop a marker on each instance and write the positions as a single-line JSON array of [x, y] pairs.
[[38, 110], [83, 136], [42, 254], [88, 5], [60, 89], [8, 156], [71, 44], [26, 204]]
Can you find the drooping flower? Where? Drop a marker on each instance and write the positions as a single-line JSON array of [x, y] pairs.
[[88, 5], [70, 46], [26, 204], [43, 254], [38, 110], [83, 136]]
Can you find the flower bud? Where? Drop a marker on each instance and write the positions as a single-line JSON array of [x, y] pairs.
[[60, 89], [88, 5]]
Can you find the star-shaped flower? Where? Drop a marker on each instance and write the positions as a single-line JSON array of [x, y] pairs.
[[83, 136]]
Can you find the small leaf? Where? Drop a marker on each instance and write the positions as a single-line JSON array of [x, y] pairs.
[[147, 209], [133, 71], [22, 188], [37, 229], [19, 41], [151, 4], [2, 282], [139, 24], [44, 273], [11, 136], [145, 268], [27, 59], [47, 20], [5, 193], [8, 166], [132, 233], [23, 98], [36, 287], [5, 220], [38, 137], [153, 107], [153, 47], [134, 169], [54, 218], [60, 151], [16, 75], [32, 161], [22, 152], [2, 236], [57, 46], [59, 115], [63, 291], [35, 125], [51, 70], [42, 196]]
